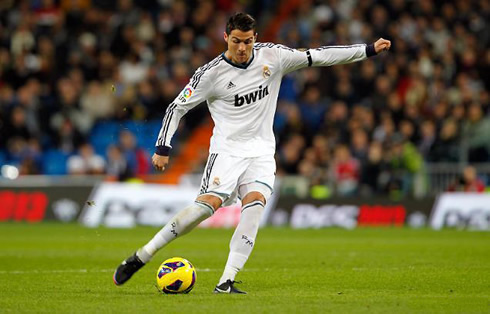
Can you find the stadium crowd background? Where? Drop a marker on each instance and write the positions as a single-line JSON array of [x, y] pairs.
[[72, 72]]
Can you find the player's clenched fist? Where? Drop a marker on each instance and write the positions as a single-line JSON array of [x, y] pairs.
[[159, 162], [382, 45]]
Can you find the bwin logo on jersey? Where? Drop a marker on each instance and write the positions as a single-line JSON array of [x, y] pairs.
[[252, 97]]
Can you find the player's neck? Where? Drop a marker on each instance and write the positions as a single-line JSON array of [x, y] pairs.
[[229, 57]]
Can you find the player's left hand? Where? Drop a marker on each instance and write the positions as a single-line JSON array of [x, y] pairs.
[[382, 45], [159, 162]]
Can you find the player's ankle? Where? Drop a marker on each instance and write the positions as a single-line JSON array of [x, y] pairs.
[[143, 255]]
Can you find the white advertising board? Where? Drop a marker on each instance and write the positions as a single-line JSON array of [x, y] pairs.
[[462, 210]]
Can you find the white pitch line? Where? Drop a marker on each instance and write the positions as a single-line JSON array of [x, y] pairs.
[[53, 271], [61, 271]]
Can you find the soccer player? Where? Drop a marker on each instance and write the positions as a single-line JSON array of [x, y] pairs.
[[240, 87]]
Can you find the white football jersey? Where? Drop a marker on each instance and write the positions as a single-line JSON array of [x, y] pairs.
[[242, 99]]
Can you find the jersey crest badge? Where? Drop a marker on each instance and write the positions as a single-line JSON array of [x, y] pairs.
[[266, 73]]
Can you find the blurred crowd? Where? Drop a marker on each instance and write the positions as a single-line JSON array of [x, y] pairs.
[[373, 127], [367, 128]]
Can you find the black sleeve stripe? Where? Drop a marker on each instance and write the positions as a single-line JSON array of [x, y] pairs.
[[285, 48], [258, 46], [310, 61], [166, 123], [196, 78], [206, 66], [345, 47]]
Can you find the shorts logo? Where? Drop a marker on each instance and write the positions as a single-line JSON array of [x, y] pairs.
[[186, 94], [266, 73], [216, 181]]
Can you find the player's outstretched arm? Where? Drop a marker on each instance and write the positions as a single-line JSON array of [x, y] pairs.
[[332, 55], [295, 59], [159, 162]]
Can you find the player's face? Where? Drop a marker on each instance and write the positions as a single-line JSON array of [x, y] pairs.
[[240, 45]]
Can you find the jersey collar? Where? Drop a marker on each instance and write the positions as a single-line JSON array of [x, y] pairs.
[[240, 66]]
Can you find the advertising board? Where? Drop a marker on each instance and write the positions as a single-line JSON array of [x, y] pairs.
[[350, 212], [40, 203], [462, 211]]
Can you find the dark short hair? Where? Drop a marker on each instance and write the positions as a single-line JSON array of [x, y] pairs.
[[241, 21]]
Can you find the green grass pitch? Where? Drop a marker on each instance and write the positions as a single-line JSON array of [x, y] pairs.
[[56, 268]]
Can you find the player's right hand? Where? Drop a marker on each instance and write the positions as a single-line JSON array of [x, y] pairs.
[[159, 162]]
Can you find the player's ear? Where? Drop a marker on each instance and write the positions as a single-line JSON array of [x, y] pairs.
[[225, 37], [255, 37]]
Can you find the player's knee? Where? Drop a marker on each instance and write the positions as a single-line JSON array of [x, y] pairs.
[[211, 200], [252, 197]]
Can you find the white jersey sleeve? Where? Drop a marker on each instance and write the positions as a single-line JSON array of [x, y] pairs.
[[198, 90], [294, 59]]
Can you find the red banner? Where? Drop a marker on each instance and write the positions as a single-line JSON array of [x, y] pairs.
[[23, 206]]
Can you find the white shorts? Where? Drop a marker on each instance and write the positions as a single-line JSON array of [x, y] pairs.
[[229, 177]]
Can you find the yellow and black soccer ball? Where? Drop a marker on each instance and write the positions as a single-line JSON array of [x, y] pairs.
[[176, 275]]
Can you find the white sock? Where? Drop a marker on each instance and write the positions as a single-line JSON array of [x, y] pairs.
[[180, 224], [243, 240]]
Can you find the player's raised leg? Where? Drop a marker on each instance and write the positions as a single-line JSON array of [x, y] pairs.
[[242, 242], [183, 222]]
